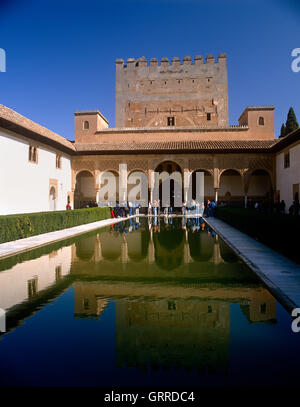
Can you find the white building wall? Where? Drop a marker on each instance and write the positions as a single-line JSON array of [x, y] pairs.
[[287, 177], [24, 186]]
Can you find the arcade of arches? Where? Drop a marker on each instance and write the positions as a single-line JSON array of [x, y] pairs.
[[227, 178]]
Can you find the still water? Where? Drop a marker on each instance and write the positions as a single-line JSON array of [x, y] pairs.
[[144, 302]]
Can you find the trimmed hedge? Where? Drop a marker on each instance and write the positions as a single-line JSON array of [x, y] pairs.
[[280, 232], [13, 227]]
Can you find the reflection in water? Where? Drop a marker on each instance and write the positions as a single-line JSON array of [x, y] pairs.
[[170, 325], [173, 283], [173, 334], [24, 281], [168, 242]]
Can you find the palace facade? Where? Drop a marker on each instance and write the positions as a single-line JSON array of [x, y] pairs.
[[171, 116]]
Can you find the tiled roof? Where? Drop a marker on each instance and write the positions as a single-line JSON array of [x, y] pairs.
[[192, 146], [15, 122], [286, 141], [20, 124]]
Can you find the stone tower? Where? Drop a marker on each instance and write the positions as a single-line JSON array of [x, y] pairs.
[[177, 94]]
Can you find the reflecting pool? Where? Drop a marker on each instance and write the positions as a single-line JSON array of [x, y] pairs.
[[149, 301]]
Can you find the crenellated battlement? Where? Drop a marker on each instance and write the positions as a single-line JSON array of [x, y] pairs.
[[172, 92], [165, 62]]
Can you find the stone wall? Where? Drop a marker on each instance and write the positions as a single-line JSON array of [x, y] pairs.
[[193, 93]]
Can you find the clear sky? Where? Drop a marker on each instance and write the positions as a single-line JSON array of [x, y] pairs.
[[61, 54]]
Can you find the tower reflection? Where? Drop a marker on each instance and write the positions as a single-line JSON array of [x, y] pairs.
[[173, 282]]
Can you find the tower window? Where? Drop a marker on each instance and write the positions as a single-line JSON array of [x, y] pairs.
[[263, 308], [171, 305], [171, 121], [86, 304], [261, 121], [208, 116], [86, 125]]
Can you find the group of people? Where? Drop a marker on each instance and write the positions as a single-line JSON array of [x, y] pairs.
[[191, 208], [278, 207], [88, 204], [154, 208], [129, 208], [125, 209]]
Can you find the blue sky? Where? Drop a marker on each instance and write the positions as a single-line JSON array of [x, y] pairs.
[[61, 54]]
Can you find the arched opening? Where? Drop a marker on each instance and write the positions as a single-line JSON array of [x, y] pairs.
[[52, 199], [85, 192], [175, 188], [261, 121], [260, 186], [169, 247], [231, 189], [137, 180], [109, 177], [201, 246], [138, 245], [111, 245], [85, 248], [208, 185], [86, 125]]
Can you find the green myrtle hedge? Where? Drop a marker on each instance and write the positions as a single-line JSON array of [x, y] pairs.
[[279, 231], [13, 227]]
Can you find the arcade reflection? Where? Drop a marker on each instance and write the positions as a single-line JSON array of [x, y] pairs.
[[172, 281]]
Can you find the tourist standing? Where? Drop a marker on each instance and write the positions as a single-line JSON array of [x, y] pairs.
[[213, 208], [282, 207]]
